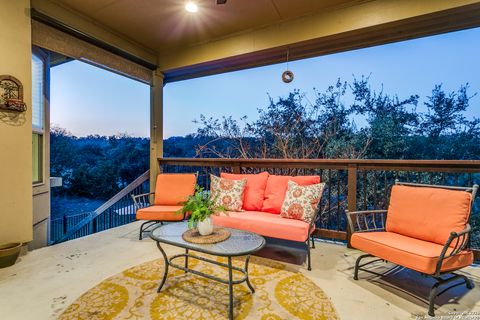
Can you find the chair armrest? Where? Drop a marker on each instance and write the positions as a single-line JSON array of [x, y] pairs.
[[367, 221], [460, 240], [142, 200]]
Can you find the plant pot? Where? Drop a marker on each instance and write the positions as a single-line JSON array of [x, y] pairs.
[[205, 227], [9, 253]]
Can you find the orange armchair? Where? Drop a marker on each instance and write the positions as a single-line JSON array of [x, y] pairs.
[[424, 229], [171, 189]]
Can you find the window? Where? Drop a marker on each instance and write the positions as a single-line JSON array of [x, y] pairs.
[[38, 110]]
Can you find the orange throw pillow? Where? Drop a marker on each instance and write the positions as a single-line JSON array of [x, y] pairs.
[[277, 187], [227, 193], [301, 202], [254, 193]]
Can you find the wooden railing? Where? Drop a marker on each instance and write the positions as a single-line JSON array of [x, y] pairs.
[[350, 184], [116, 211]]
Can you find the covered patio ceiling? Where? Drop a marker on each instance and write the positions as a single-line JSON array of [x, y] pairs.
[[250, 33], [163, 25]]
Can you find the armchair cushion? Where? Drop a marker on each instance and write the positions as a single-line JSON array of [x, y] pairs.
[[254, 189], [160, 213], [174, 188], [277, 187], [428, 214], [412, 253]]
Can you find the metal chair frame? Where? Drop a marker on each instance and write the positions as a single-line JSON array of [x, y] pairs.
[[375, 220]]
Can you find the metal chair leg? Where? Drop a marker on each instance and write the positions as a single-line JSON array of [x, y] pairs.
[[357, 265], [309, 260], [144, 228], [140, 236], [434, 290], [468, 282], [431, 299]]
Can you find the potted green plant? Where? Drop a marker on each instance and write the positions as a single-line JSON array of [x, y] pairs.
[[201, 206]]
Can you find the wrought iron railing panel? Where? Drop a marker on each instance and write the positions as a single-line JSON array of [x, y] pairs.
[[117, 211]]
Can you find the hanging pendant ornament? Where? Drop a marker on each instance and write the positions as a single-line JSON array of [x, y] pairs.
[[287, 75]]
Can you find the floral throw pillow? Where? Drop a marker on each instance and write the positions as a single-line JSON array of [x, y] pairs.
[[301, 202], [227, 193]]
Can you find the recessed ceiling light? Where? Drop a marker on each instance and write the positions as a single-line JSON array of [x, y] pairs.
[[191, 7]]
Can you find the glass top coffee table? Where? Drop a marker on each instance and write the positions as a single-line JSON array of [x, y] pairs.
[[240, 243]]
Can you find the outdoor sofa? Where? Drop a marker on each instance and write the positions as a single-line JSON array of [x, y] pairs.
[[263, 198]]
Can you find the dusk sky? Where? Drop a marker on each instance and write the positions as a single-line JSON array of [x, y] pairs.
[[87, 100]]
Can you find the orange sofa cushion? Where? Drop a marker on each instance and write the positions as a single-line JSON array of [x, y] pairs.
[[174, 188], [254, 192], [428, 214], [161, 213], [277, 187], [265, 224], [405, 251]]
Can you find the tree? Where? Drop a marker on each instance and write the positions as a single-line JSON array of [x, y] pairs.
[[445, 111], [444, 132], [391, 120], [96, 166]]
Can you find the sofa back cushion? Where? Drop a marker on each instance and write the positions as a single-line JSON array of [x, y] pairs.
[[277, 187], [254, 192], [428, 214], [174, 188]]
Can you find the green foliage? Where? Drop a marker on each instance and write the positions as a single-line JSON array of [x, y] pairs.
[[96, 166], [200, 206]]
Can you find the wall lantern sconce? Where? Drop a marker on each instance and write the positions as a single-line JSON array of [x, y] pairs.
[[11, 94]]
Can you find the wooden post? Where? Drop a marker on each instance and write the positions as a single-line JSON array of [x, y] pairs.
[[237, 169], [351, 195], [156, 126]]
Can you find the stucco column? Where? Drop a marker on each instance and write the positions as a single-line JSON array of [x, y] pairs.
[[156, 126], [16, 217]]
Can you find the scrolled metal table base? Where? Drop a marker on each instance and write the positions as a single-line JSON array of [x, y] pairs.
[[230, 282]]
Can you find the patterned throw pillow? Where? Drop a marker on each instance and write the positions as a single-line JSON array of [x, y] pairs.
[[227, 193], [301, 201]]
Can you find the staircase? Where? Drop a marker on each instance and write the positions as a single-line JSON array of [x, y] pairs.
[[117, 211]]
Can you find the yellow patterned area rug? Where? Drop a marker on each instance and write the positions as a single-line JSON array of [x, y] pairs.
[[280, 293]]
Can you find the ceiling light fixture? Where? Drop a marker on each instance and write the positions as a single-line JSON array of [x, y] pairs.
[[191, 6]]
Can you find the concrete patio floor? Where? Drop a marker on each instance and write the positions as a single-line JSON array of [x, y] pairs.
[[45, 281]]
